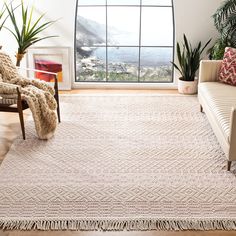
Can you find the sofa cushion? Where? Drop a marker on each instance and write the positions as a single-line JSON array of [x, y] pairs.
[[220, 99], [228, 67]]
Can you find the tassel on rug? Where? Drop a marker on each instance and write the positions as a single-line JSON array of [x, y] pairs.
[[118, 225]]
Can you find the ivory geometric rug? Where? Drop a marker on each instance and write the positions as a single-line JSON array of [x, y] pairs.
[[120, 163]]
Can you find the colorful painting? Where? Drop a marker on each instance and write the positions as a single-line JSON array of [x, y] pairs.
[[48, 65], [51, 59]]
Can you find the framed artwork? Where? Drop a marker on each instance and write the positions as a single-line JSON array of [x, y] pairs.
[[50, 59]]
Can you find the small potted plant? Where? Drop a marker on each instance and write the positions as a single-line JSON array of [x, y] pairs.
[[189, 61], [26, 31]]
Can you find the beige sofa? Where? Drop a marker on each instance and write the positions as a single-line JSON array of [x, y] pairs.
[[218, 101]]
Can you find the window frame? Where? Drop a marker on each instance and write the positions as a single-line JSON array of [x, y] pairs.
[[140, 6]]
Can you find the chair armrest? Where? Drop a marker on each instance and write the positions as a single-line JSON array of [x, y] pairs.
[[56, 93], [46, 72], [36, 70], [232, 138], [209, 70], [6, 88]]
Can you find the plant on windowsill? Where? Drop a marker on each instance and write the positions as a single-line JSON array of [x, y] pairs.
[[225, 23], [189, 61], [27, 31]]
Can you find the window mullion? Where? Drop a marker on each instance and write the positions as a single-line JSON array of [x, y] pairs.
[[106, 46], [140, 35], [147, 49]]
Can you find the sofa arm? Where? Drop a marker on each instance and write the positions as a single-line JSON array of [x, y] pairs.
[[232, 138], [209, 70]]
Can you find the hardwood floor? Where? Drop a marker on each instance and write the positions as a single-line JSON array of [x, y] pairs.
[[119, 91], [10, 128]]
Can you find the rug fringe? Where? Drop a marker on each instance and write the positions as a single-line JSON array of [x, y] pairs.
[[118, 225]]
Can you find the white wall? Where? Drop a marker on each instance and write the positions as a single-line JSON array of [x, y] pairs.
[[192, 17], [60, 10]]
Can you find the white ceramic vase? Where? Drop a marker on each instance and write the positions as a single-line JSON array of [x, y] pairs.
[[187, 87]]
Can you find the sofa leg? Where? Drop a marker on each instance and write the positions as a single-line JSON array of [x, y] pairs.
[[229, 165], [201, 108]]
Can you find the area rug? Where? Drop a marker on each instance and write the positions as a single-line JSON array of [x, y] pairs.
[[120, 162]]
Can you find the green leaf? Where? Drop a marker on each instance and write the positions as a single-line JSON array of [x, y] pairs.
[[225, 20], [177, 68], [207, 43], [186, 44]]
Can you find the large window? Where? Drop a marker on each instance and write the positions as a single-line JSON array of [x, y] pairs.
[[124, 41]]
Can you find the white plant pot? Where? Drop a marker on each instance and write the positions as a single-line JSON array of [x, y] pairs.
[[187, 87]]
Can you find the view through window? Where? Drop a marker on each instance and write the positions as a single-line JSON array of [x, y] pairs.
[[124, 41]]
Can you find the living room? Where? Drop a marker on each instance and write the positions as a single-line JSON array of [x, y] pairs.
[[128, 125]]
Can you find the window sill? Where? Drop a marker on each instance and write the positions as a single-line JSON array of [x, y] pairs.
[[97, 85]]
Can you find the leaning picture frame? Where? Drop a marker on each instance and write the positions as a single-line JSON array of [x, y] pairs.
[[50, 59]]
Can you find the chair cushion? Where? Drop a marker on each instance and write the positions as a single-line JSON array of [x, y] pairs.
[[7, 101], [228, 67], [220, 99]]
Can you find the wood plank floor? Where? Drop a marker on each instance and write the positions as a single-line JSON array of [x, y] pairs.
[[10, 128], [120, 91]]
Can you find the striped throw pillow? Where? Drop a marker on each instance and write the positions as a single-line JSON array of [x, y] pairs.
[[228, 67]]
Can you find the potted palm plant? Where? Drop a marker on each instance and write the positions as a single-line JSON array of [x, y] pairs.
[[225, 23], [189, 61], [26, 31]]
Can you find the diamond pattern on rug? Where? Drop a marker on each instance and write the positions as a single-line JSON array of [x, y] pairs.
[[120, 162]]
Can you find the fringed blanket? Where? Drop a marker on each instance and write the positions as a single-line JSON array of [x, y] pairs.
[[38, 94]]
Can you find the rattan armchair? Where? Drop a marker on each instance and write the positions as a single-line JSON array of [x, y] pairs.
[[13, 102]]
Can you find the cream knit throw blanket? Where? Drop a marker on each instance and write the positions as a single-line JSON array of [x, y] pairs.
[[38, 94]]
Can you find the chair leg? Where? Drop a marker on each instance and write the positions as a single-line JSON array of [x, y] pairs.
[[201, 108], [229, 165], [21, 116], [56, 96], [58, 112]]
